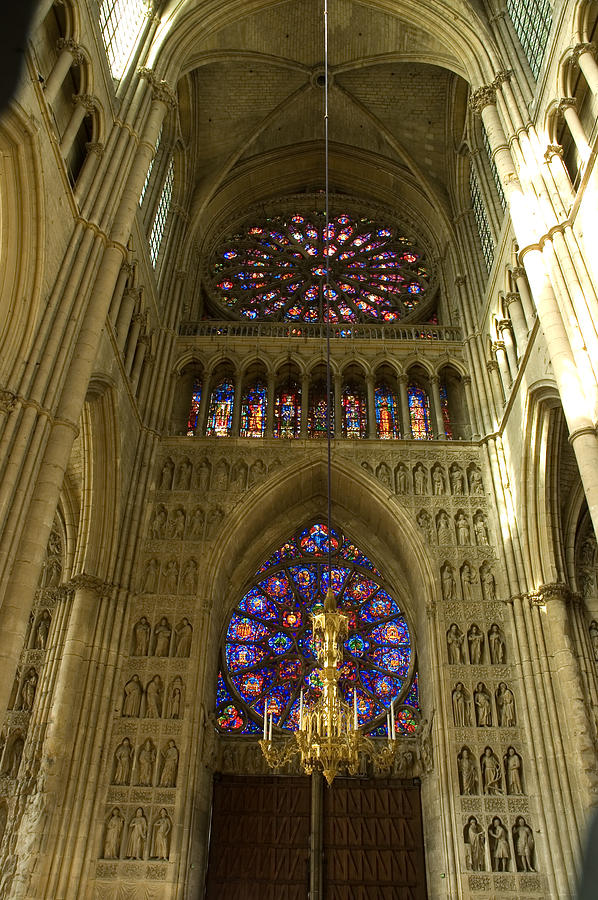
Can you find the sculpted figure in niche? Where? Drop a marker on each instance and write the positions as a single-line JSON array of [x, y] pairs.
[[475, 639], [170, 766], [461, 706], [175, 699], [166, 476], [512, 762], [468, 579], [367, 468], [220, 477], [141, 637], [588, 549], [41, 632], [443, 528], [132, 698], [480, 529], [196, 523], [594, 637], [123, 758], [425, 523], [500, 852], [203, 477], [405, 764], [505, 706], [183, 636], [496, 645], [137, 835], [457, 480], [438, 481], [491, 773], [238, 478], [162, 633], [13, 756], [419, 480], [189, 577], [523, 839], [257, 472], [463, 531], [475, 481], [401, 479], [150, 581], [483, 709], [454, 644], [53, 573], [215, 517], [468, 776], [475, 840], [114, 830], [171, 577], [161, 836], [177, 525], [383, 475], [159, 524], [183, 476], [153, 698], [145, 764], [28, 690], [488, 583]]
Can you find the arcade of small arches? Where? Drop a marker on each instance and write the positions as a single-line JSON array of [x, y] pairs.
[[378, 403]]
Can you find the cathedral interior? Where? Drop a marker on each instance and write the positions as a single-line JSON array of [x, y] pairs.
[[294, 328]]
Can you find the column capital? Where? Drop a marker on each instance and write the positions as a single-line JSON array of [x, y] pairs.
[[8, 401], [178, 210], [503, 324], [138, 319], [161, 90], [566, 103], [518, 272], [502, 77], [87, 101], [557, 590], [466, 380], [460, 280], [95, 147], [482, 97], [498, 345], [434, 379], [90, 583], [403, 378], [512, 297], [492, 365], [75, 49], [579, 49], [553, 150]]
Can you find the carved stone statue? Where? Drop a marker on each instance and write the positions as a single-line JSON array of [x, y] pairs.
[[449, 587], [475, 481], [162, 827], [177, 525], [153, 698], [220, 477], [475, 639], [463, 531], [480, 529], [505, 706], [257, 472], [189, 577], [401, 479], [175, 699], [443, 528], [461, 706], [145, 764], [183, 475], [523, 840], [475, 840], [488, 583], [468, 579], [438, 481], [112, 838], [496, 645], [594, 637], [425, 523], [238, 478], [454, 643], [159, 524], [203, 477], [171, 577], [457, 480], [141, 636], [41, 631], [483, 708], [512, 763], [183, 638], [123, 758], [468, 776], [166, 476], [132, 697], [500, 852], [28, 689], [383, 475], [215, 517], [150, 581], [491, 772], [12, 756], [137, 835], [419, 479], [170, 766], [162, 633], [426, 749], [196, 523]]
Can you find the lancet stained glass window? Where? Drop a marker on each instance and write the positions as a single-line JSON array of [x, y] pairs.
[[220, 414], [419, 413], [316, 423], [268, 655], [121, 22], [446, 415], [387, 414], [531, 20], [287, 412], [253, 411], [278, 270], [194, 408], [354, 412]]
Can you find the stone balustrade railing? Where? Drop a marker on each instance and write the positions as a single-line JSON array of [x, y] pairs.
[[361, 332]]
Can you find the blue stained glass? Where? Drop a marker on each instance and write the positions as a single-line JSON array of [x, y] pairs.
[[220, 414], [315, 540], [406, 720], [419, 413], [382, 686], [287, 412], [357, 645], [256, 603], [412, 698], [278, 587], [317, 424], [251, 685], [279, 643], [305, 578], [354, 423], [253, 411], [288, 550], [339, 576], [381, 606], [394, 632], [289, 669], [194, 408], [446, 416], [350, 551], [241, 656], [395, 661], [387, 413], [222, 694], [360, 588], [243, 629]]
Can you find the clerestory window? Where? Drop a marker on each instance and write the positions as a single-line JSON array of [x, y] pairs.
[[531, 20], [121, 23], [159, 225]]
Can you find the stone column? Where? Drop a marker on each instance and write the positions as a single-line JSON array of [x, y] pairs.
[[137, 322], [71, 54], [84, 104], [236, 422], [469, 404], [204, 405], [500, 352], [270, 401], [140, 352], [404, 401], [495, 384], [371, 407], [125, 271], [437, 408], [567, 108], [504, 327], [337, 410], [526, 300], [125, 313], [584, 56], [513, 304], [94, 151], [305, 381]]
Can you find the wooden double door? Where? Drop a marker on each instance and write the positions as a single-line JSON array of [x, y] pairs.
[[293, 839]]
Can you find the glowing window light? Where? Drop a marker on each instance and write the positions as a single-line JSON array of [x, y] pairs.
[[121, 23], [446, 416], [287, 412], [316, 420], [531, 20], [159, 226], [387, 413], [354, 422], [494, 170], [151, 166], [253, 411], [419, 413], [220, 414], [194, 408], [481, 219]]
